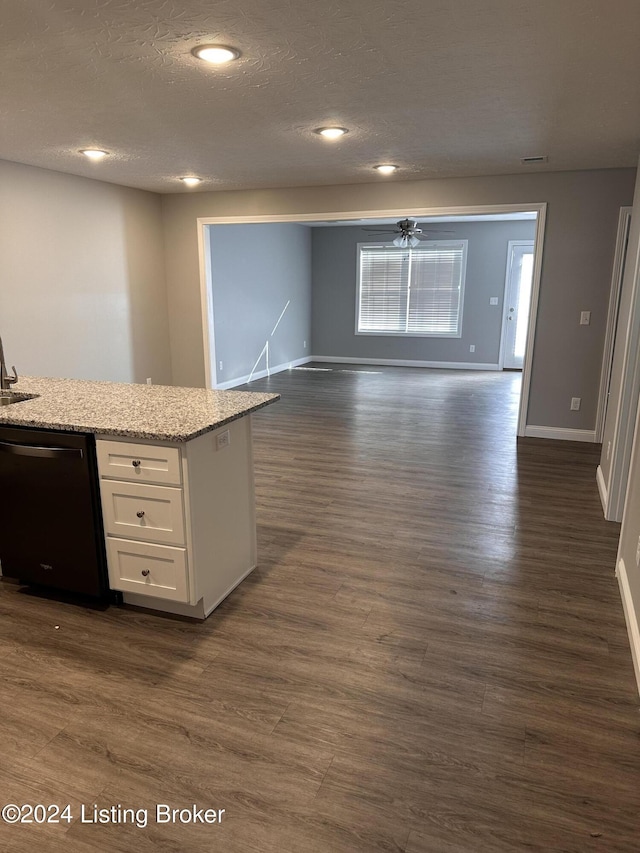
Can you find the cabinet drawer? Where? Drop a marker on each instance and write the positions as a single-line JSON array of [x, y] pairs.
[[154, 570], [142, 463], [138, 511]]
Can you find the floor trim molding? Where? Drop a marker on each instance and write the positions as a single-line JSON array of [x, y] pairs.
[[602, 489], [559, 433], [260, 374], [631, 617], [403, 362]]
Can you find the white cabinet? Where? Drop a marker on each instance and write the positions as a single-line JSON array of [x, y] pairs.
[[142, 463], [152, 570], [179, 519], [138, 511]]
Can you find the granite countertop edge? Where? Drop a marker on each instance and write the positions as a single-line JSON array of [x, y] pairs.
[[134, 411]]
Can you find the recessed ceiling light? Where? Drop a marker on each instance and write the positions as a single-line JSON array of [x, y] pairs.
[[386, 168], [93, 153], [331, 132], [191, 181], [216, 54]]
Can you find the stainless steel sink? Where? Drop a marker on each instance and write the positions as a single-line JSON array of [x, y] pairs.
[[9, 397]]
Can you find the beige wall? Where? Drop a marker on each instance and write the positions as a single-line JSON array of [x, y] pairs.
[[579, 246], [82, 286]]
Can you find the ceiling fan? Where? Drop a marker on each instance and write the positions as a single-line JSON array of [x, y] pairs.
[[407, 231]]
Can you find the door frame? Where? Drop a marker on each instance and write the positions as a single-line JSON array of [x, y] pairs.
[[624, 225], [503, 329], [208, 330], [614, 490]]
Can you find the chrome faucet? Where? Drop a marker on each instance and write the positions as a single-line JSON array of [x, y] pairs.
[[6, 380]]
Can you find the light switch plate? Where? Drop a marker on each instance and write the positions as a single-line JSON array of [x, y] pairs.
[[493, 300], [585, 318]]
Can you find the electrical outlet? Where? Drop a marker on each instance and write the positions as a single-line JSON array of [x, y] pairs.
[[219, 365], [223, 439], [149, 382], [638, 552], [493, 300], [585, 318], [575, 404], [472, 348], [608, 449], [304, 345]]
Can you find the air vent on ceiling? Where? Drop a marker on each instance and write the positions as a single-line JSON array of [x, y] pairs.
[[526, 161]]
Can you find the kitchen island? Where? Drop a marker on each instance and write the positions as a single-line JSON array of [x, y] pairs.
[[175, 473]]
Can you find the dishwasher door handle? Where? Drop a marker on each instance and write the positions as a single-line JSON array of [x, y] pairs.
[[46, 452]]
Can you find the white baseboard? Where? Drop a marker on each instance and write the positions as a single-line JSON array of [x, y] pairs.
[[402, 362], [560, 433], [195, 611], [260, 374], [631, 617], [602, 490], [209, 607]]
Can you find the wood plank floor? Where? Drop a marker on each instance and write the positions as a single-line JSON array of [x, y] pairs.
[[430, 658]]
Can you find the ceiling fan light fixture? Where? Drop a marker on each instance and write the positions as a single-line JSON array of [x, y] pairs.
[[191, 180], [386, 168], [406, 241], [93, 154], [216, 54], [331, 132]]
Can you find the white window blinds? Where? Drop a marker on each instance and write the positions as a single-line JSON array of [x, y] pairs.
[[383, 290], [412, 291]]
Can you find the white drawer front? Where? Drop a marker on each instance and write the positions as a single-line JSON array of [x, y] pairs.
[[153, 570], [142, 463], [138, 511]]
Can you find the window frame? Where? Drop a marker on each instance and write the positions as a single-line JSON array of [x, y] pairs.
[[389, 245]]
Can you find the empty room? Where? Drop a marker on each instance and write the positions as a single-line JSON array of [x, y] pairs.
[[319, 479]]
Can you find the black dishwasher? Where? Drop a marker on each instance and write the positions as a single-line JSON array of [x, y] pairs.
[[50, 518]]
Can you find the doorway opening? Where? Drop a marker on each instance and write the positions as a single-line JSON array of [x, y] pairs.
[[464, 349], [615, 422]]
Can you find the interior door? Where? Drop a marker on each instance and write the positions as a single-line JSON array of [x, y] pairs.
[[517, 302]]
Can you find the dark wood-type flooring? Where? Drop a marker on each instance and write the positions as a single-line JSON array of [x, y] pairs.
[[430, 658]]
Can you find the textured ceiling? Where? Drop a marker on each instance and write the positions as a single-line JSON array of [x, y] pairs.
[[440, 87]]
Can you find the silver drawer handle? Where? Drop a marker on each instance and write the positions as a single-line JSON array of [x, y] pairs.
[[140, 513], [135, 463], [145, 572]]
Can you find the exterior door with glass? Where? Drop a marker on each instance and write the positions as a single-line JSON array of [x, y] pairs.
[[517, 301]]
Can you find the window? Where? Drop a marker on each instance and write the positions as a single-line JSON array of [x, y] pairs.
[[411, 291]]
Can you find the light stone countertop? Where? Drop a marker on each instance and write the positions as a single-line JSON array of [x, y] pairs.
[[153, 412]]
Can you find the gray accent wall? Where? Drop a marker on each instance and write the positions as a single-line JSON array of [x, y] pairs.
[[335, 256], [257, 273]]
